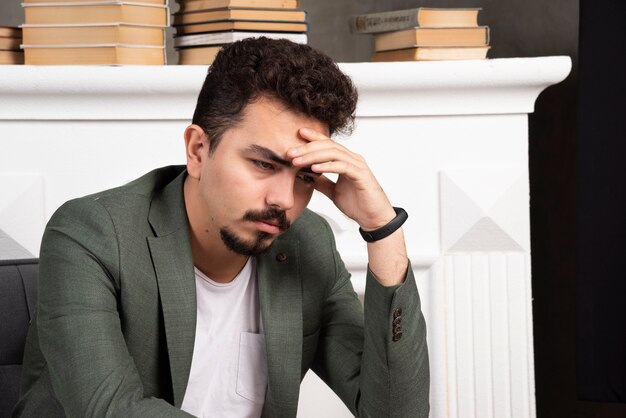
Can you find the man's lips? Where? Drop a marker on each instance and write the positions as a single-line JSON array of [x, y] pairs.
[[271, 220], [271, 226]]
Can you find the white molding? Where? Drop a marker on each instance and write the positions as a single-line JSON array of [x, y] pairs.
[[418, 261], [496, 86]]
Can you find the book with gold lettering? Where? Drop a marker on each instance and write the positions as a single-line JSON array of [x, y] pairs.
[[420, 16]]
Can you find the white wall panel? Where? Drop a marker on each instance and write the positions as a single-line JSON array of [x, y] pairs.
[[499, 300], [488, 336]]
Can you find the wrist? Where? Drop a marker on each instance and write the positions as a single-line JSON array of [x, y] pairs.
[[379, 221], [389, 228]]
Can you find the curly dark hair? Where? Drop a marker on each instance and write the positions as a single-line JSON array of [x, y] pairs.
[[302, 78]]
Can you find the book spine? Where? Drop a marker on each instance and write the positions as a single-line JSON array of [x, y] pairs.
[[384, 22], [221, 38]]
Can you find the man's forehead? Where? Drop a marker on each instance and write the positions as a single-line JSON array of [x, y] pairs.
[[279, 140], [270, 109]]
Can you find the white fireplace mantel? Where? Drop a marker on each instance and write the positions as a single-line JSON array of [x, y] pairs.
[[168, 92], [447, 140]]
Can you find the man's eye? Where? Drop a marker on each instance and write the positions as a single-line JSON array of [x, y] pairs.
[[263, 165], [307, 178]]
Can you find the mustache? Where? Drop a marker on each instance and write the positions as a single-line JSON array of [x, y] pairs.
[[269, 214]]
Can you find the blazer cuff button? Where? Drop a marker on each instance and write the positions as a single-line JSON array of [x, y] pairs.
[[397, 312]]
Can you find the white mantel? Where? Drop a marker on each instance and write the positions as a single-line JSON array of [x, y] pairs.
[[447, 140], [497, 86]]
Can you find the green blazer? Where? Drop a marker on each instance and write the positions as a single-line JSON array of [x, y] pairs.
[[113, 333]]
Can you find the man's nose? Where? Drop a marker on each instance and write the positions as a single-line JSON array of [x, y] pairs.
[[280, 192]]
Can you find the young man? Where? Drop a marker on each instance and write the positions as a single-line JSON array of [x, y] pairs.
[[210, 289]]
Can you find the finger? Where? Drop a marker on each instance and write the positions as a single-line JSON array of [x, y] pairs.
[[337, 167], [319, 144], [312, 135], [325, 185], [325, 155], [328, 145]]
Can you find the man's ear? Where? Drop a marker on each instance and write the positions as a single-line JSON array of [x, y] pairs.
[[196, 150]]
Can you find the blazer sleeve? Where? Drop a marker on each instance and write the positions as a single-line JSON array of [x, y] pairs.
[[80, 335], [375, 374]]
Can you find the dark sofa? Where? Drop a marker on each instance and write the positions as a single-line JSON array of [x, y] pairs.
[[18, 296]]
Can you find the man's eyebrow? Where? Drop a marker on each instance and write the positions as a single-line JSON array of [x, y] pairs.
[[269, 154], [308, 170]]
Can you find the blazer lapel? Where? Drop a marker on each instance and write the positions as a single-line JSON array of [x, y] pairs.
[[280, 296], [173, 266]]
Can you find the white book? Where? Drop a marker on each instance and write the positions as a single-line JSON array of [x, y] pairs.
[[219, 38]]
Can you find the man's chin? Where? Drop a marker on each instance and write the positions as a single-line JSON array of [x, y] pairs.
[[252, 247]]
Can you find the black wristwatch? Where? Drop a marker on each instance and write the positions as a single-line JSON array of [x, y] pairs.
[[385, 231]]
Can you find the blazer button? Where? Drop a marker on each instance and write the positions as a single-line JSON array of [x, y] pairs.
[[397, 329], [397, 321], [280, 257], [396, 337], [397, 312]]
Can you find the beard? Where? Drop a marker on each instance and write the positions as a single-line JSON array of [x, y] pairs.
[[253, 247], [262, 241]]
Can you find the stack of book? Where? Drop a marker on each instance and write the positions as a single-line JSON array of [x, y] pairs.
[[425, 34], [66, 32], [204, 26], [10, 40]]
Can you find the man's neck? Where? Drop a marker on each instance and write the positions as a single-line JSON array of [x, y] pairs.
[[216, 262]]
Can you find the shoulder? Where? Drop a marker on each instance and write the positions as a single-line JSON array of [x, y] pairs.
[[121, 210], [126, 199], [144, 187]]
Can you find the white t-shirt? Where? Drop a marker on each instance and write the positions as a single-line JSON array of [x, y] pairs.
[[228, 376]]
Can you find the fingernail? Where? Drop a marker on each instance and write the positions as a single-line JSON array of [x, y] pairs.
[[297, 160], [292, 151]]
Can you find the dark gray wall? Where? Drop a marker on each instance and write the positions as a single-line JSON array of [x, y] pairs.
[[518, 28], [11, 13]]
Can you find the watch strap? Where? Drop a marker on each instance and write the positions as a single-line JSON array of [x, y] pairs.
[[385, 231]]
